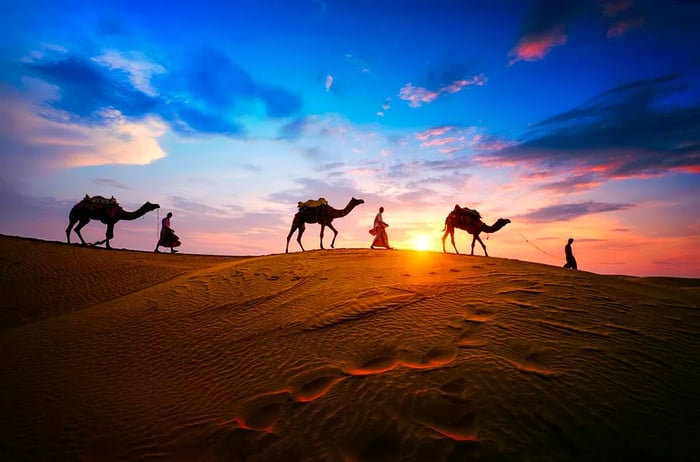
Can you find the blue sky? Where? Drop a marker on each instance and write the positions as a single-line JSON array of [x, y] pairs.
[[571, 118]]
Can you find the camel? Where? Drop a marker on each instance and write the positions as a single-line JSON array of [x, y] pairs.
[[323, 215], [470, 221], [107, 211]]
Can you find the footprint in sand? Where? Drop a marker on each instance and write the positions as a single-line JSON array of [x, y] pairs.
[[374, 366], [436, 357], [470, 334], [530, 356], [311, 385], [273, 278], [454, 419], [262, 411]]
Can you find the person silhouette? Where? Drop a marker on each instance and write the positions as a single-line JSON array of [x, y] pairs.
[[379, 231], [168, 238], [570, 260]]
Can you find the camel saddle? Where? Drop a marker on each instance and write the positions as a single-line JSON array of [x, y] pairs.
[[312, 203], [99, 202], [462, 211]]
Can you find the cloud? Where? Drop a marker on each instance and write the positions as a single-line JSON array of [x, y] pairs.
[[545, 27], [417, 96], [434, 131], [628, 131], [139, 69], [111, 183], [209, 94], [567, 212], [573, 183], [329, 82], [40, 139], [86, 87], [535, 47], [386, 105], [294, 129]]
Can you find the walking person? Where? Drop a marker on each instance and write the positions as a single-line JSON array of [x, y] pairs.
[[379, 231], [168, 238], [570, 260]]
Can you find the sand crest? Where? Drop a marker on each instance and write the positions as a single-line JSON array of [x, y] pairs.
[[347, 354]]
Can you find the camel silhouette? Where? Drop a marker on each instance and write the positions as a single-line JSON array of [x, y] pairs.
[[470, 221], [323, 215], [105, 210]]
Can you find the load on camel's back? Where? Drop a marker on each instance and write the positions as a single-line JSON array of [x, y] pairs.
[[470, 221]]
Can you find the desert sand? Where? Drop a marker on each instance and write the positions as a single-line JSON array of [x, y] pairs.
[[340, 355]]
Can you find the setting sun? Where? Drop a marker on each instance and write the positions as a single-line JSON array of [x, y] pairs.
[[421, 243]]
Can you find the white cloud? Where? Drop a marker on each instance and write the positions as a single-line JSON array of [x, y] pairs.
[[140, 69]]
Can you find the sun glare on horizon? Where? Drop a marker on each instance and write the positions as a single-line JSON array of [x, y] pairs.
[[421, 243]]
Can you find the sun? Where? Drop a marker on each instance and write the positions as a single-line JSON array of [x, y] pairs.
[[421, 243]]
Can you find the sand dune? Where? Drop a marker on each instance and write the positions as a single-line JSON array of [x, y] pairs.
[[353, 355]]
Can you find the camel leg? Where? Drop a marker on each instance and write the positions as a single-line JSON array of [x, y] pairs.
[[335, 234], [289, 236], [69, 229], [323, 228], [302, 228], [477, 238], [451, 232], [473, 242], [79, 227], [109, 235]]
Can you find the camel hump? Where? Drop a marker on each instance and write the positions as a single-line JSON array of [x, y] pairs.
[[312, 203], [473, 212], [97, 202]]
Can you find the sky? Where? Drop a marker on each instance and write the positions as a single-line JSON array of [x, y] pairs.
[[571, 118]]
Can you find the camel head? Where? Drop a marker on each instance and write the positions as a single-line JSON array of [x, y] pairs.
[[355, 202], [148, 207], [500, 223]]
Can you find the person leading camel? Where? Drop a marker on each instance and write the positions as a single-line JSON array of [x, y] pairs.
[[168, 238], [379, 231]]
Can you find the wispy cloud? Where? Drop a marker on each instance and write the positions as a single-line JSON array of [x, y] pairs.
[[417, 96], [535, 47], [192, 99], [111, 183], [629, 131], [567, 212], [545, 27], [329, 82], [139, 69]]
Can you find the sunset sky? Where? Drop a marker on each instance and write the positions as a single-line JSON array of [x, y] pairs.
[[572, 118]]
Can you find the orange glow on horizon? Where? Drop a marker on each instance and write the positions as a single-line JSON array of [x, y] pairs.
[[421, 243]]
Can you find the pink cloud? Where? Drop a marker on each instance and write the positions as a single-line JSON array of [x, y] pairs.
[[416, 96], [436, 131], [60, 143], [534, 47], [329, 82], [623, 26], [440, 141]]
